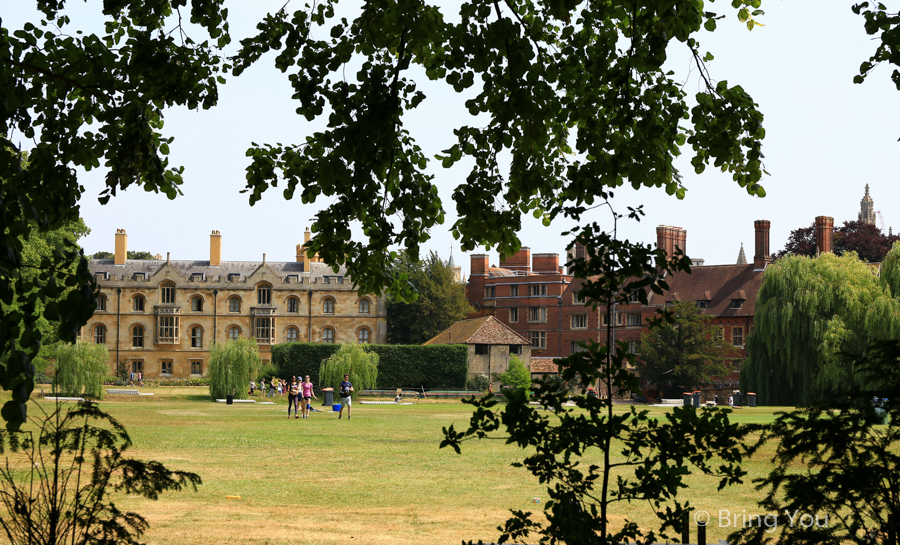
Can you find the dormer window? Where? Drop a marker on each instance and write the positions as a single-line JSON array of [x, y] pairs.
[[737, 304], [703, 304]]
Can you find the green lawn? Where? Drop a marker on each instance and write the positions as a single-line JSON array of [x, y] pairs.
[[379, 478]]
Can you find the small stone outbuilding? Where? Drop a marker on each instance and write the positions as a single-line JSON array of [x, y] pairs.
[[491, 344]]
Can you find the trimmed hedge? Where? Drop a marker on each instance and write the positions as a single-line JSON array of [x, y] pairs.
[[439, 366]]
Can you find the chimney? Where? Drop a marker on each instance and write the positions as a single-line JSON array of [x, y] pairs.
[[520, 261], [670, 238], [824, 234], [761, 257], [121, 247], [479, 264], [215, 249]]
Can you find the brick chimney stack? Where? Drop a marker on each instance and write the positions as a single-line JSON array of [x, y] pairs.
[[669, 238], [519, 261], [121, 247], [215, 249], [824, 234], [761, 257]]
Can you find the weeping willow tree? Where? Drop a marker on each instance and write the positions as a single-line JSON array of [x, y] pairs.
[[354, 360], [232, 365], [810, 313], [79, 368]]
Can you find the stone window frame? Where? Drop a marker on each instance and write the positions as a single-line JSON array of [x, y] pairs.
[[537, 315], [364, 305], [576, 346], [288, 338], [166, 367], [579, 321], [737, 336], [166, 324], [197, 303], [167, 290], [196, 332], [513, 315], [137, 366], [633, 319], [234, 301], [138, 302], [538, 340], [482, 349], [490, 292], [137, 339], [232, 329], [102, 299], [515, 349], [293, 304], [264, 329], [264, 293], [99, 333], [328, 335], [328, 305], [537, 290], [363, 335], [198, 365], [514, 290]]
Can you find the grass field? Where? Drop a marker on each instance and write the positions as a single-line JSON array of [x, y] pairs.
[[377, 479]]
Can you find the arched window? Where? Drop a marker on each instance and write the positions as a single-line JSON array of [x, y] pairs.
[[138, 305], [363, 306], [197, 303], [196, 337], [234, 304], [328, 335], [101, 302], [328, 305], [100, 334], [293, 304], [292, 335], [233, 333], [137, 336], [264, 294], [362, 335], [167, 293]]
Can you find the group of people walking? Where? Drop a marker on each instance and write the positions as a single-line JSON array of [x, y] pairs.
[[301, 393]]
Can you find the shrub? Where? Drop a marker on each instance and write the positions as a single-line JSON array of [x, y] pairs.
[[516, 374], [479, 383]]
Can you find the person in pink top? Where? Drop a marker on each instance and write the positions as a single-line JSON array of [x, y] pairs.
[[306, 393]]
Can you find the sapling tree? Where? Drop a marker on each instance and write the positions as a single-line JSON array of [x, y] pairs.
[[60, 479], [79, 368], [351, 359], [641, 458], [516, 374], [232, 365]]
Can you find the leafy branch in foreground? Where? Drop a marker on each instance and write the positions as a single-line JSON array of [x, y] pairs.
[[58, 482], [836, 463], [593, 458]]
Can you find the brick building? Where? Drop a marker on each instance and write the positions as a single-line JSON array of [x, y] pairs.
[[161, 316], [491, 344], [537, 299]]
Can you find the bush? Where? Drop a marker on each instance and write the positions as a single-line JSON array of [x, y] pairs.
[[479, 383], [267, 372], [440, 366], [516, 374], [353, 360]]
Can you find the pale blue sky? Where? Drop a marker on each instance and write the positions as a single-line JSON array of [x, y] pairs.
[[826, 138]]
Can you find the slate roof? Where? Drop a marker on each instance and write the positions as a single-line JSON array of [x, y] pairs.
[[189, 267], [486, 330], [718, 284]]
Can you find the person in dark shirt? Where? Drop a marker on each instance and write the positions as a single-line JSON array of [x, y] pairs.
[[346, 391]]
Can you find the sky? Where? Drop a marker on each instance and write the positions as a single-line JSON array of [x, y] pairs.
[[826, 138]]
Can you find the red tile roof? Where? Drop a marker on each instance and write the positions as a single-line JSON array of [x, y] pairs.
[[718, 284], [544, 365], [487, 330]]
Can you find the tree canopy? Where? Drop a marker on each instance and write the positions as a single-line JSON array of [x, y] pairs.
[[811, 313], [868, 241], [129, 255], [685, 352], [441, 301]]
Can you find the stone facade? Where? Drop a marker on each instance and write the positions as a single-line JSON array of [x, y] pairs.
[[160, 317], [491, 344]]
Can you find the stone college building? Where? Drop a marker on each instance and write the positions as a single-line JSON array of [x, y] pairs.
[[160, 317]]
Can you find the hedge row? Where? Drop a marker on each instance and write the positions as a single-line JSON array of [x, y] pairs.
[[441, 366]]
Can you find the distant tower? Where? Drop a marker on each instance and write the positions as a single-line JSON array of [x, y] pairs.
[[867, 209], [742, 259], [455, 269]]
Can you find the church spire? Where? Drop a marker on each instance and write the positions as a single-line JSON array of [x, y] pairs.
[[742, 259], [867, 209]]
